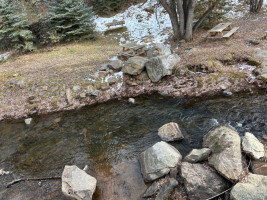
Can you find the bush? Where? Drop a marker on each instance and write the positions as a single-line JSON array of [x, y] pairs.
[[108, 6], [14, 28], [70, 20]]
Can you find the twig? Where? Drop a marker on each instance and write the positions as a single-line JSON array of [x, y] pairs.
[[219, 194], [32, 179]]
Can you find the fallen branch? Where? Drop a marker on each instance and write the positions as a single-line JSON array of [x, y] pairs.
[[32, 179], [219, 194]]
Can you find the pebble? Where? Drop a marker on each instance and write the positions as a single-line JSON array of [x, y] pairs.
[[131, 100], [28, 121]]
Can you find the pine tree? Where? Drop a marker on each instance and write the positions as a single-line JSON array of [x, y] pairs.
[[14, 28], [71, 20]]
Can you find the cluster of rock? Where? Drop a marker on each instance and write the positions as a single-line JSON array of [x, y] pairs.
[[206, 172], [159, 62]]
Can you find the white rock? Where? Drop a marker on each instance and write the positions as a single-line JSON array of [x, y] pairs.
[[131, 100], [157, 160], [170, 132], [252, 146], [77, 184], [28, 121]]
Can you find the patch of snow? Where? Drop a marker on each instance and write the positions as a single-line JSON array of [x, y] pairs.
[[142, 26]]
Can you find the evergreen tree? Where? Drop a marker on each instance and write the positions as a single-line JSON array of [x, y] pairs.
[[14, 28], [71, 20]]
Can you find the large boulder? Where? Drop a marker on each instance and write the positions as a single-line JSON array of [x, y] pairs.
[[157, 160], [225, 146], [259, 167], [158, 67], [134, 65], [166, 189], [255, 188], [202, 182], [158, 50], [77, 184], [170, 132], [197, 155], [252, 146]]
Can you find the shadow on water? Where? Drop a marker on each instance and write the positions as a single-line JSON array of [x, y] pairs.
[[105, 135]]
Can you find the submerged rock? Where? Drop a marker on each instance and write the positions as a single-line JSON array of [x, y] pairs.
[[170, 132], [166, 189], [134, 65], [255, 188], [225, 146], [157, 160], [77, 184], [197, 155], [201, 182], [252, 146], [259, 167]]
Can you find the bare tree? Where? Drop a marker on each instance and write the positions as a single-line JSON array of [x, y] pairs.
[[181, 14], [255, 5]]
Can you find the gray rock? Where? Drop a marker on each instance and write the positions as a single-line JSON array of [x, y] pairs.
[[116, 65], [198, 155], [152, 190], [202, 182], [105, 86], [157, 160], [134, 65], [69, 96], [90, 89], [112, 80], [166, 189], [261, 54], [259, 167], [225, 146], [76, 88], [95, 93], [254, 42], [170, 132], [77, 184], [28, 121], [83, 95], [158, 67], [158, 50], [252, 146], [4, 56], [103, 67], [20, 83], [255, 188]]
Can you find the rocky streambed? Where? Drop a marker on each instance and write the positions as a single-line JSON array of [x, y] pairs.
[[107, 140]]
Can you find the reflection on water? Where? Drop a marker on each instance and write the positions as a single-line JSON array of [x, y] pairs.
[[104, 135]]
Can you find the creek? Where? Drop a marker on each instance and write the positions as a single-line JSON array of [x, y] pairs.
[[105, 135]]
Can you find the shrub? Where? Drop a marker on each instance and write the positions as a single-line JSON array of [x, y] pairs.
[[14, 28], [70, 20]]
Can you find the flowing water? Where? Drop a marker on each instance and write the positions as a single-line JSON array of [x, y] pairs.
[[102, 136]]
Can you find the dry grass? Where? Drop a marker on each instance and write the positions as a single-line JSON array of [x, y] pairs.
[[55, 68]]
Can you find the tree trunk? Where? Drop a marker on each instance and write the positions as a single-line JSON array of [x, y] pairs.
[[189, 21], [255, 5], [171, 10], [207, 13], [181, 17]]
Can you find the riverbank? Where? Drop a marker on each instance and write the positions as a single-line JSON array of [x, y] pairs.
[[36, 83]]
